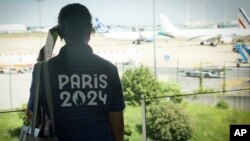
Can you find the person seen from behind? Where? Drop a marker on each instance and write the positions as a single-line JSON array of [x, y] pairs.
[[86, 89]]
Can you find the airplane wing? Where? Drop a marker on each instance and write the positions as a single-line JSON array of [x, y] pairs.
[[207, 38], [196, 37], [214, 39], [211, 39]]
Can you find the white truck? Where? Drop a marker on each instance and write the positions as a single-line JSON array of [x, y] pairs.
[[204, 73]]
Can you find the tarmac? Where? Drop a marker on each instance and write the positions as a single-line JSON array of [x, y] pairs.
[[169, 54]]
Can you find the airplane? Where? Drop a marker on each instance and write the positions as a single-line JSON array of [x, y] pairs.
[[135, 37], [211, 36], [244, 23], [243, 19]]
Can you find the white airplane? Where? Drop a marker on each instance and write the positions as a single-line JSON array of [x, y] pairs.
[[135, 37], [211, 36]]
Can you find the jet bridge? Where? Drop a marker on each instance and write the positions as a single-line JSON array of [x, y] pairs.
[[244, 52]]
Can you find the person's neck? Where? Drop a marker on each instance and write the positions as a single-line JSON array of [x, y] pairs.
[[77, 41]]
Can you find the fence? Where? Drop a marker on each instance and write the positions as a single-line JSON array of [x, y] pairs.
[[14, 87], [210, 98], [235, 102], [234, 77]]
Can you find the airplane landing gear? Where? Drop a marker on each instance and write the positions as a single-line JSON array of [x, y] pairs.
[[211, 44], [136, 42]]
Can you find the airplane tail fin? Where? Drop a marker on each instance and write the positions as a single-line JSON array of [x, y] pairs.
[[243, 19], [100, 27], [167, 24]]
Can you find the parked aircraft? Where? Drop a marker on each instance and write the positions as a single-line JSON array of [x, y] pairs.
[[244, 23], [135, 37], [243, 19], [211, 36]]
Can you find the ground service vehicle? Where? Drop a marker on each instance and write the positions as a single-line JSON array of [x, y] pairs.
[[204, 73]]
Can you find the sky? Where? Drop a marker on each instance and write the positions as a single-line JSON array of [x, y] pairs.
[[123, 12]]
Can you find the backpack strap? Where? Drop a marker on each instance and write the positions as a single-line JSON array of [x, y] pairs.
[[36, 98], [49, 94]]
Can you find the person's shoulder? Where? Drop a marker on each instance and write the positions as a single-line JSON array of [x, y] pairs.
[[104, 61], [55, 59]]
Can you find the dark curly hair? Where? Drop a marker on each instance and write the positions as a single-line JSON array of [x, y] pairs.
[[74, 21]]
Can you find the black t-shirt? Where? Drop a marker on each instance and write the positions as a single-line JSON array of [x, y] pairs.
[[85, 88]]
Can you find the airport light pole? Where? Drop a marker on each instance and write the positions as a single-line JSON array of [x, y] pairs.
[[187, 22], [39, 18], [202, 12], [155, 66], [225, 12]]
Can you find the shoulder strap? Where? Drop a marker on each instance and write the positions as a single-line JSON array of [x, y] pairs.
[[36, 97], [48, 94]]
